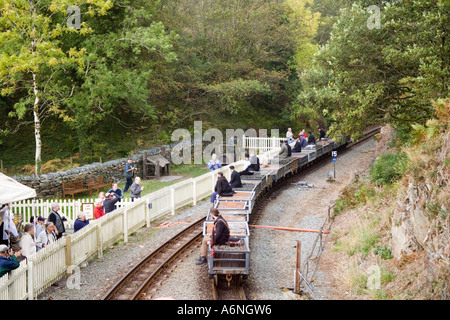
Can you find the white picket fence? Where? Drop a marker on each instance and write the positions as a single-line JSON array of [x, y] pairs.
[[262, 145], [65, 255], [41, 208]]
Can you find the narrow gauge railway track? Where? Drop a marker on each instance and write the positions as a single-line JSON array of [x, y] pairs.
[[236, 290], [268, 195], [224, 292], [135, 283]]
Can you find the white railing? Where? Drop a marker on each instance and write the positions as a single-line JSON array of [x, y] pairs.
[[68, 208], [260, 145], [65, 255]]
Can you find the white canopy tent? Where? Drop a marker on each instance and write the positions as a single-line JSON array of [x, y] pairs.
[[12, 191]]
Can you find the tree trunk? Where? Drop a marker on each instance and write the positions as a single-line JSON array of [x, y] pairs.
[[37, 127]]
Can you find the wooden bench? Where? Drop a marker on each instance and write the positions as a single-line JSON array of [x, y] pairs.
[[96, 183], [72, 188]]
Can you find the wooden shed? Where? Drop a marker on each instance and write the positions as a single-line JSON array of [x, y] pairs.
[[158, 162]]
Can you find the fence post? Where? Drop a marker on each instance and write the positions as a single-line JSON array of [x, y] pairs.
[[98, 233], [147, 213], [68, 254], [297, 268], [172, 200], [125, 226], [194, 192], [30, 280]]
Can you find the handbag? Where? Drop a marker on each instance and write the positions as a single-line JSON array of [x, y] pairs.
[[128, 174]]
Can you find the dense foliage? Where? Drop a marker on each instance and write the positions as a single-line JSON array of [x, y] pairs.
[[136, 70], [392, 73]]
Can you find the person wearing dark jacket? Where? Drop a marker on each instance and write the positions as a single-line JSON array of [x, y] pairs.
[[220, 235], [311, 138], [289, 148], [222, 187], [8, 259], [321, 134], [235, 181], [297, 147], [110, 202], [81, 222], [254, 160], [57, 220]]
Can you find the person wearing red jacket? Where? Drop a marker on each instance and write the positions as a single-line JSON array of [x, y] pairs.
[[98, 210]]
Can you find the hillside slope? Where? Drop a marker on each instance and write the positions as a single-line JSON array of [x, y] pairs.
[[390, 240]]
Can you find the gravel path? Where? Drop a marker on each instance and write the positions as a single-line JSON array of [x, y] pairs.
[[273, 252]]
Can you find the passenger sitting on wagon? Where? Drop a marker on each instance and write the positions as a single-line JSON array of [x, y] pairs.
[[220, 235], [254, 160], [311, 138], [289, 148], [303, 141], [248, 169], [235, 181], [222, 187], [284, 150], [297, 147]]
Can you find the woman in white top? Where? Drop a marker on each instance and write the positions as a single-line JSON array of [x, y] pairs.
[[27, 241], [8, 224]]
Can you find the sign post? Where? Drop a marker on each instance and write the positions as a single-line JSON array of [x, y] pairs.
[[334, 155]]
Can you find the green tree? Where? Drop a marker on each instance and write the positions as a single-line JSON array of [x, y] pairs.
[[32, 60], [113, 91], [235, 63], [366, 76]]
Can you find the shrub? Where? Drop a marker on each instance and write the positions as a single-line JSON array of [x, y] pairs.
[[384, 252], [388, 168]]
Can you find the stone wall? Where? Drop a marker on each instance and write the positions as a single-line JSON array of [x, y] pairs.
[[50, 185]]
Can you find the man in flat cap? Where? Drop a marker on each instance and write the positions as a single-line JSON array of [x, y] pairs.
[[128, 174]]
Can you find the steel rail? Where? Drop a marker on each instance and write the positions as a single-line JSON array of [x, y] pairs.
[[126, 282]]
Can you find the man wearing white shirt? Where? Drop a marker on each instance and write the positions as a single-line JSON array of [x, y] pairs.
[[290, 135], [47, 236]]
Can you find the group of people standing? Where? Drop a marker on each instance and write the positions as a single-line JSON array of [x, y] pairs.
[[41, 232], [37, 234]]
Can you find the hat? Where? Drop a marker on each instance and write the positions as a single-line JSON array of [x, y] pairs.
[[41, 219], [107, 194]]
